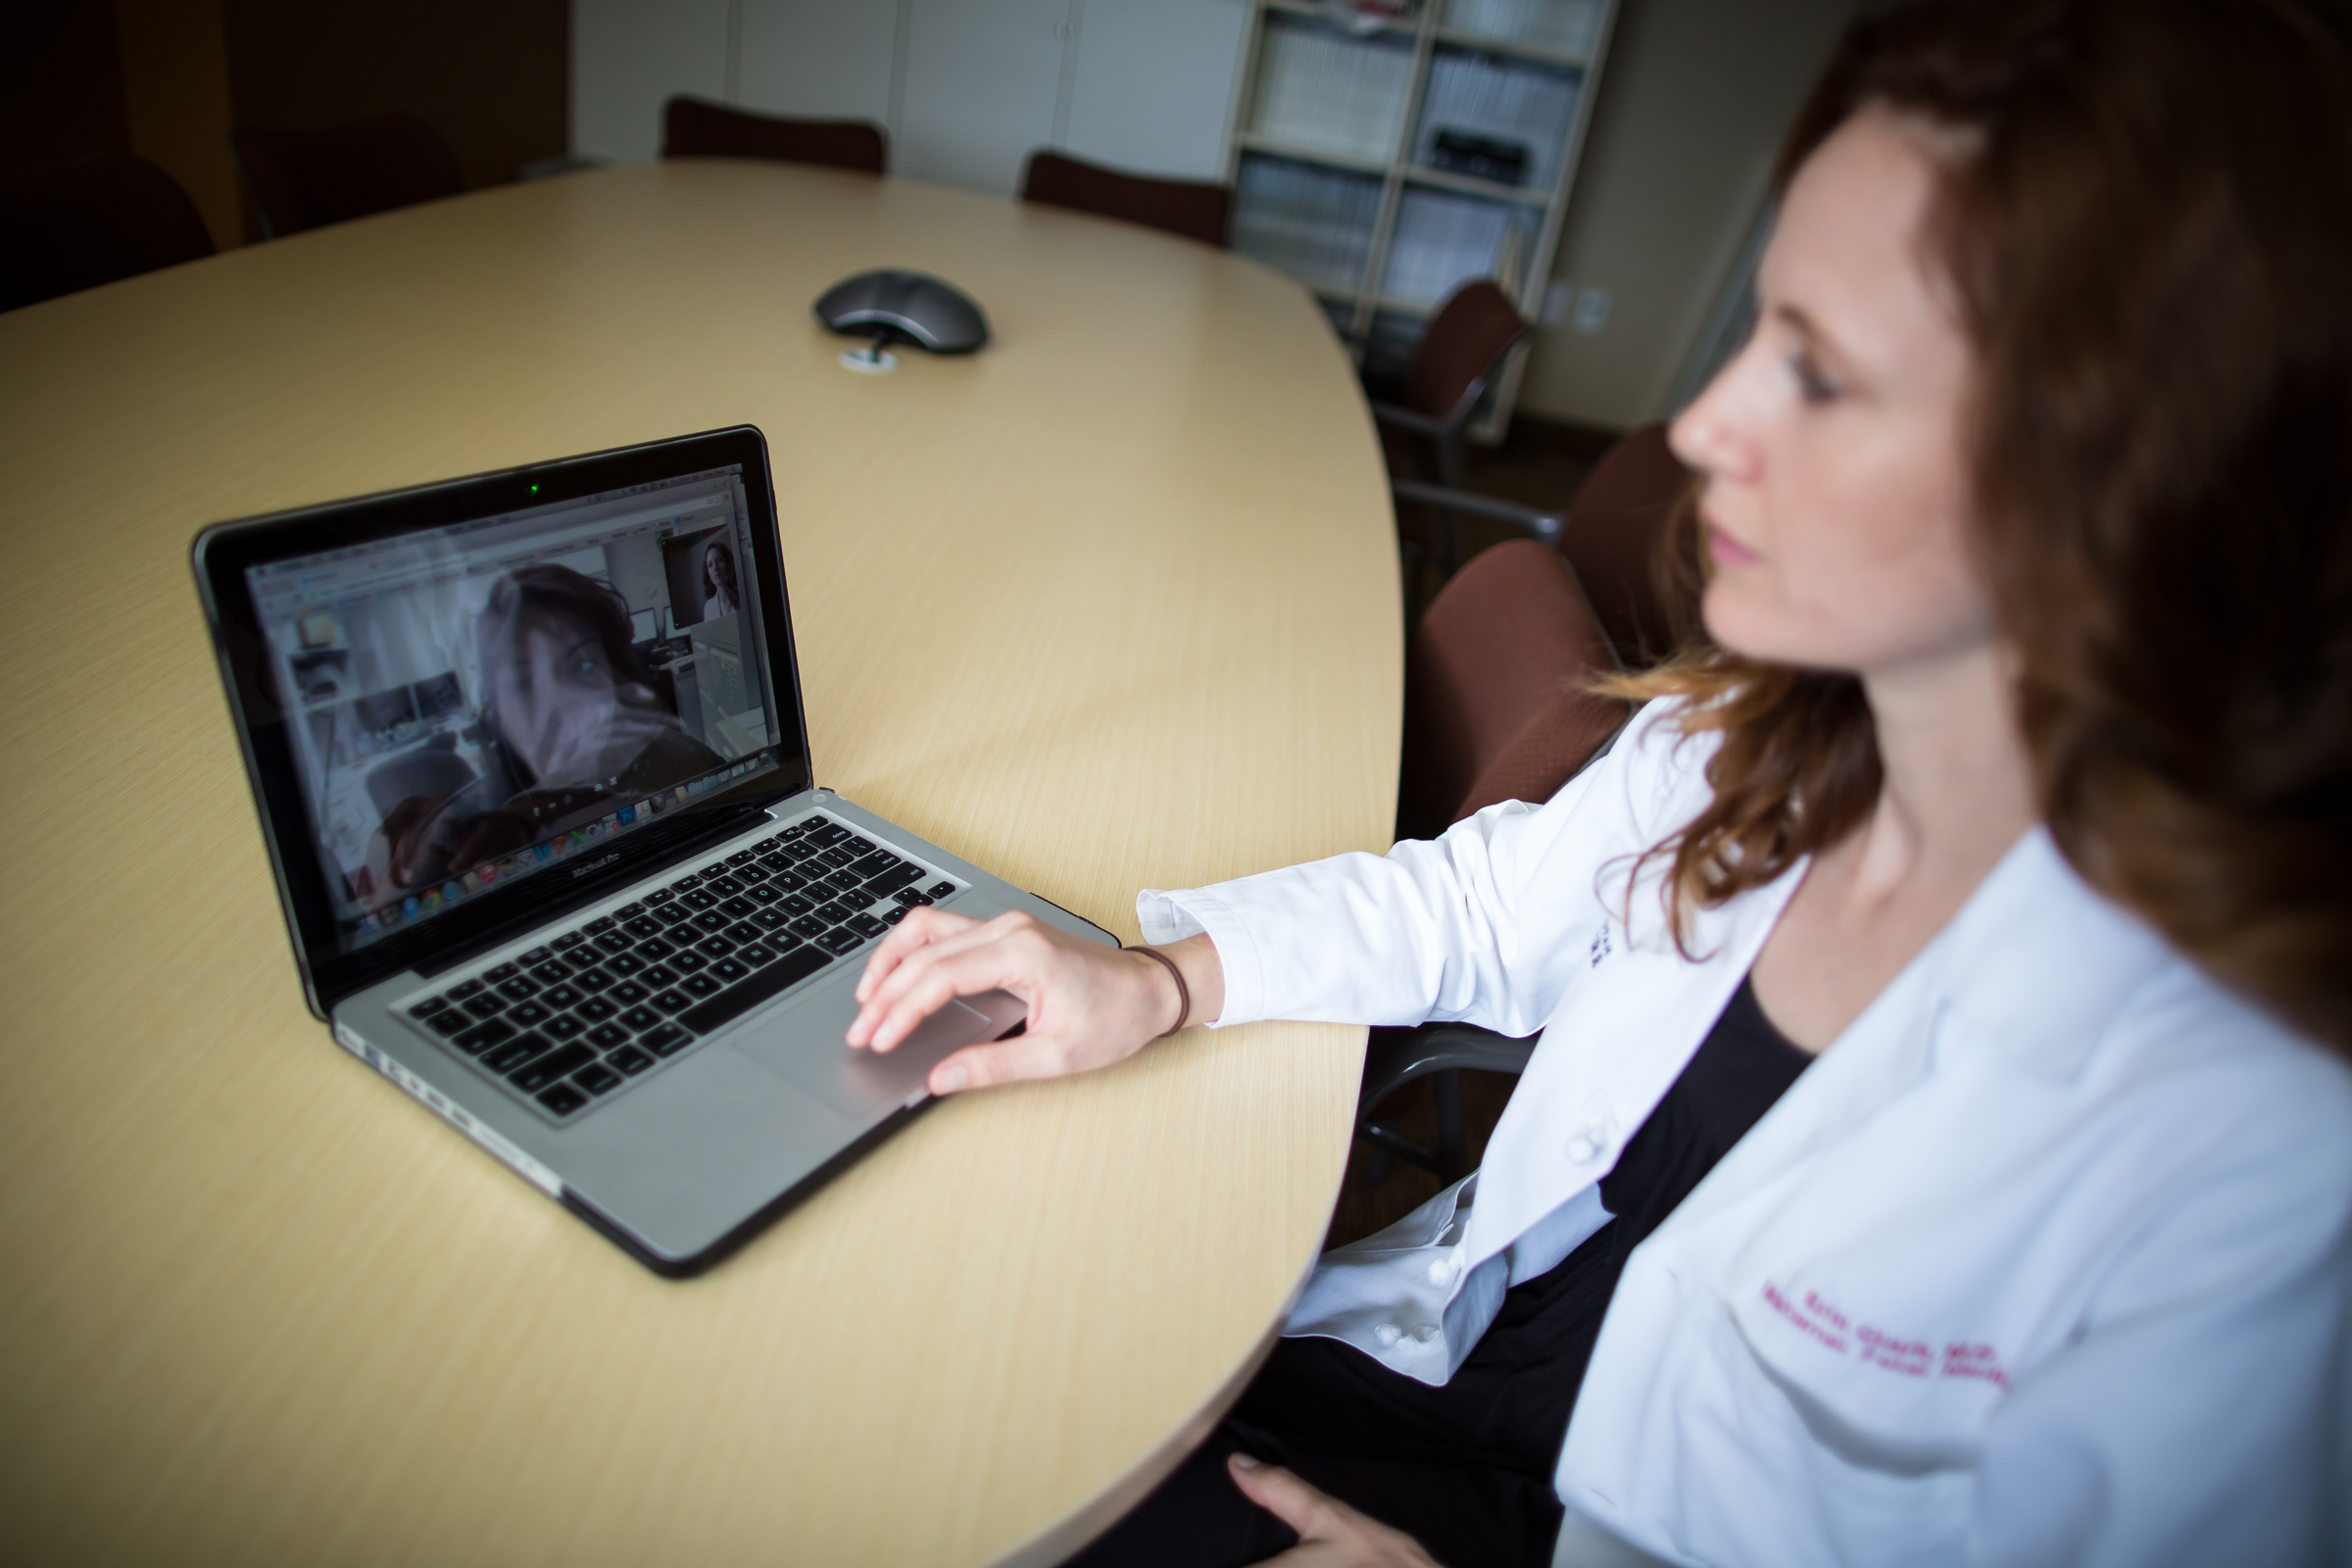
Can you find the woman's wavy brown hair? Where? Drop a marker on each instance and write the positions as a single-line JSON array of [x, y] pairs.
[[2151, 242]]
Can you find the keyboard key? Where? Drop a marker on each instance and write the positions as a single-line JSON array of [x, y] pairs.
[[800, 827], [839, 884], [839, 912], [724, 887], [742, 856], [660, 896], [489, 1004], [655, 949], [770, 919], [905, 874], [766, 893], [449, 1021], [550, 973], [517, 989], [639, 1017], [561, 1063], [559, 996], [615, 941], [908, 898], [873, 866], [685, 884], [627, 994], [513, 1054], [669, 914], [828, 832], [797, 904], [563, 1099], [526, 1015], [660, 975], [501, 971], [737, 908], [597, 1079], [688, 963], [894, 915], [482, 1036], [865, 926], [596, 1009], [836, 858], [859, 845], [464, 989], [940, 890], [715, 947], [605, 1036], [672, 1002], [667, 1041], [809, 926], [756, 956], [428, 1006], [592, 979], [627, 913], [629, 1061], [699, 985], [643, 926], [563, 1026], [711, 920], [741, 931], [840, 942], [740, 999], [775, 862], [726, 971], [599, 925], [569, 939], [535, 956], [624, 963], [715, 868], [587, 956]]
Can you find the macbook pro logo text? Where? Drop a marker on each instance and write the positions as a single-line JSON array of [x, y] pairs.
[[593, 866]]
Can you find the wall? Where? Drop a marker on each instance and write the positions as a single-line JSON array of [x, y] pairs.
[[1694, 99]]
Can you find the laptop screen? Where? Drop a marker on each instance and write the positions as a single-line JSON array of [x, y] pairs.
[[473, 704]]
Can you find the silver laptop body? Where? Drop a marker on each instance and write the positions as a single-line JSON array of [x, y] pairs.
[[531, 767]]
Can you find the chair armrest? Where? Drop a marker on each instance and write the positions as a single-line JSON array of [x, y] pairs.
[[1439, 1048], [1543, 525], [1406, 420]]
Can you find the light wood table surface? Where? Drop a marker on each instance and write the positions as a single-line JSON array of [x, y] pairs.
[[1113, 604]]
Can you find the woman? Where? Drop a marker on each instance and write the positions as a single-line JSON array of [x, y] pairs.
[[577, 728], [719, 594], [1933, 1153]]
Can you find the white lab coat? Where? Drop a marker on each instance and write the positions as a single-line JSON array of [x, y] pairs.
[[2045, 1260]]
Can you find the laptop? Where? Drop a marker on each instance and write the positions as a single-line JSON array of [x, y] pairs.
[[533, 769]]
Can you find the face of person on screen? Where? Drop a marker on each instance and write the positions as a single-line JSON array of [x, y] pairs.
[[718, 579], [558, 702], [1836, 503]]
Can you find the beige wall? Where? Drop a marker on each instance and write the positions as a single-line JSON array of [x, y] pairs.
[[1694, 99]]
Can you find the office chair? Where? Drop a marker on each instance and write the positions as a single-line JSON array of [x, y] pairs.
[[303, 180], [692, 127], [1457, 358], [1492, 712], [1639, 572], [96, 220], [1190, 208]]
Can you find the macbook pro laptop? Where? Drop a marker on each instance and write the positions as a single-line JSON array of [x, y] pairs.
[[531, 767]]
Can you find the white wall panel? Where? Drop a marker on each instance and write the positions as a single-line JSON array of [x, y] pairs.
[[628, 56], [1154, 84], [982, 79], [822, 59]]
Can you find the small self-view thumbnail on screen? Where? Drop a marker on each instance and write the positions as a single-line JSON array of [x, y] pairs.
[[485, 722]]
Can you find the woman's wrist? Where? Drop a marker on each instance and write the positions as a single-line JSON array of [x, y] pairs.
[[1170, 983]]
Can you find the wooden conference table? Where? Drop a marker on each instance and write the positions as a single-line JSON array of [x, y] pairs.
[[1112, 604]]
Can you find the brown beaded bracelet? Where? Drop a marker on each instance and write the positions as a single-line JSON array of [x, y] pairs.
[[1184, 994]]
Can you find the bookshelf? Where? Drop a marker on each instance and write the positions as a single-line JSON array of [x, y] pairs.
[[1384, 160]]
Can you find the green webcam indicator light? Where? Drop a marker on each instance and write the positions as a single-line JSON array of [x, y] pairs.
[[534, 489]]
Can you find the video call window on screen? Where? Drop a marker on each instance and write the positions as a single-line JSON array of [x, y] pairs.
[[470, 705]]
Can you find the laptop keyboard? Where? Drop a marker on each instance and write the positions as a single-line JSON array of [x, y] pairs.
[[600, 1005]]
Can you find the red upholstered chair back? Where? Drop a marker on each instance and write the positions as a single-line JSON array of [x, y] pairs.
[[302, 179], [1492, 708], [1641, 573], [1461, 349], [693, 129], [1190, 208], [93, 222]]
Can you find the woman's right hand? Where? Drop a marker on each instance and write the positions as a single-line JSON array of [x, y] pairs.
[[1089, 1005]]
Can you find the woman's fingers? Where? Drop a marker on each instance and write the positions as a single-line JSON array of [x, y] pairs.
[[1331, 1535], [922, 925]]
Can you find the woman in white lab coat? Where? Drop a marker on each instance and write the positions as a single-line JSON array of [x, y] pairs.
[[1939, 1148]]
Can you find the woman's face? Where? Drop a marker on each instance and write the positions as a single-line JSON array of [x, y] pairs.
[[555, 699], [1836, 499]]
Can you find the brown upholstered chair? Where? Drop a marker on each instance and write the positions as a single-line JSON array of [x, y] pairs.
[[1494, 710], [93, 222], [694, 129], [1641, 573], [1457, 358], [1192, 208], [303, 180]]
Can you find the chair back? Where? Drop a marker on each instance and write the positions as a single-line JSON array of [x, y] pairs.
[[1491, 707], [1641, 573], [93, 222], [694, 129], [1190, 208], [1461, 350], [303, 180]]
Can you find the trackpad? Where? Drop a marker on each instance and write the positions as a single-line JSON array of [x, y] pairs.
[[807, 1050]]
